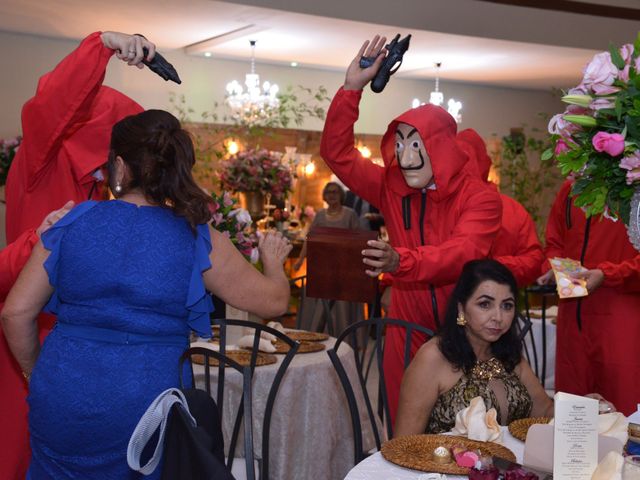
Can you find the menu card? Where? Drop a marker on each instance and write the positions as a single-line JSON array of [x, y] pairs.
[[575, 437]]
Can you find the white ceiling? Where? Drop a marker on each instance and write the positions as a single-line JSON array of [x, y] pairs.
[[483, 43]]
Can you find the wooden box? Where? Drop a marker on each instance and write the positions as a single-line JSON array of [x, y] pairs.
[[334, 265]]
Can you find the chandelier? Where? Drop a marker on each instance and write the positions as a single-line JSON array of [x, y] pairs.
[[437, 98], [257, 103]]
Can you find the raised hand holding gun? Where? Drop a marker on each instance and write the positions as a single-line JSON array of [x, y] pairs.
[[357, 76], [396, 50]]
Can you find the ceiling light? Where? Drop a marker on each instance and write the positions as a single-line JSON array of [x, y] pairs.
[[437, 98], [294, 64], [207, 54], [257, 103]]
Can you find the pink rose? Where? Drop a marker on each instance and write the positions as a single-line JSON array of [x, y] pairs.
[[611, 143], [600, 103], [561, 147], [600, 73]]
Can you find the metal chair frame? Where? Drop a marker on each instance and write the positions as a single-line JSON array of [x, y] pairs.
[[242, 413], [275, 386], [360, 356], [544, 291]]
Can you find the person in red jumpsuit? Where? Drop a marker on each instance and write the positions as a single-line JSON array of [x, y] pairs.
[[66, 130], [437, 214], [597, 335], [517, 245]]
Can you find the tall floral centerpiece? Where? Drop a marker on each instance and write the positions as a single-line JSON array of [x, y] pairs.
[[596, 140], [256, 173]]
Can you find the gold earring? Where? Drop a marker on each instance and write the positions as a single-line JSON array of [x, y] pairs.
[[118, 188], [460, 320]]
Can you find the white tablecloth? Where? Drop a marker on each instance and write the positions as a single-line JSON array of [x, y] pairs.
[[311, 435], [377, 468], [536, 329]]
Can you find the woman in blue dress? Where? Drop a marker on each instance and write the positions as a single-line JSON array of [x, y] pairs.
[[128, 279]]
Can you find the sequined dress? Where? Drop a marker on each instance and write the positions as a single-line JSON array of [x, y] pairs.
[[498, 388]]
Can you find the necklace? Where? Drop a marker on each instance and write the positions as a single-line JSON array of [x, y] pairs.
[[488, 369], [334, 214]]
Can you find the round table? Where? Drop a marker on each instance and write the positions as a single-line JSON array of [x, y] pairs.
[[311, 435], [376, 467]]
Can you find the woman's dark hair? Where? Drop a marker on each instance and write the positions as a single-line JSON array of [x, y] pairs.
[[454, 344], [343, 194], [159, 155]]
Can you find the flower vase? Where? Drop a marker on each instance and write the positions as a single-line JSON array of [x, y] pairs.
[[254, 204], [633, 229]]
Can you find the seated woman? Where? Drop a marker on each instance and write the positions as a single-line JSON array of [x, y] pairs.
[[475, 353]]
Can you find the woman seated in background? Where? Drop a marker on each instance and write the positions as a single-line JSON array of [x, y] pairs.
[[336, 215], [127, 279], [475, 353]]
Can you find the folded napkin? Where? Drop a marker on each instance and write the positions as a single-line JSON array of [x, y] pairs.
[[205, 344], [264, 345], [614, 425], [477, 424], [610, 468], [276, 326]]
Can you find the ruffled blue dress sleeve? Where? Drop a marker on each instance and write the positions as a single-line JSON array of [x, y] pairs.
[[51, 239], [199, 303]]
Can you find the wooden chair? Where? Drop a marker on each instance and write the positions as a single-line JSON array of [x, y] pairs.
[[382, 416]]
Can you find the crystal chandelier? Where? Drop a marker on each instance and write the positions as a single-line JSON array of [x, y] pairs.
[[437, 98], [256, 104]]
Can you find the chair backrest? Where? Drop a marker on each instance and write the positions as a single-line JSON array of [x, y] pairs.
[[539, 367], [257, 330], [361, 352], [242, 412]]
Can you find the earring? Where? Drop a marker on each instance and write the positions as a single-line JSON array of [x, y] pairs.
[[460, 320], [117, 188]]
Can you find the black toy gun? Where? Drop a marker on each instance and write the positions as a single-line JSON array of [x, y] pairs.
[[159, 65], [395, 51]]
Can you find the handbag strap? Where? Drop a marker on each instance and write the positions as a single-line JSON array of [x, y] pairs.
[[155, 417]]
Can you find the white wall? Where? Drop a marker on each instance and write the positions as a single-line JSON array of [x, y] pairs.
[[489, 110]]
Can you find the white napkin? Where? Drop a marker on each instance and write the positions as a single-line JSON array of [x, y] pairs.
[[264, 345], [610, 468], [614, 425], [205, 344], [276, 326], [477, 424]]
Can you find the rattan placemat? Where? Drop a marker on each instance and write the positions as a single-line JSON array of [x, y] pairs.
[[519, 428], [305, 347], [243, 357], [304, 336], [416, 452]]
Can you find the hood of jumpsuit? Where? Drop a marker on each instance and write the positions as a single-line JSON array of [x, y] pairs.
[[449, 162]]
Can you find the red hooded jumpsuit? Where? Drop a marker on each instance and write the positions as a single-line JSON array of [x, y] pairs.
[[601, 354], [517, 245], [435, 231], [66, 132]]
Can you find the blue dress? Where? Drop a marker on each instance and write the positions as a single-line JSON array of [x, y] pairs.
[[128, 291]]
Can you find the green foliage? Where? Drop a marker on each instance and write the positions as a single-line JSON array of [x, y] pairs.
[[524, 177]]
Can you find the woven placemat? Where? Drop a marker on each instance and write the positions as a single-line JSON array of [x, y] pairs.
[[416, 452], [242, 357], [305, 347], [519, 428], [304, 336]]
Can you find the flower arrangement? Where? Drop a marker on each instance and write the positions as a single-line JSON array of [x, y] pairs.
[[233, 222], [597, 139], [8, 150], [256, 171]]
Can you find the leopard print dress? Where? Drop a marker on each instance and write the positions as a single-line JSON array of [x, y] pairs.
[[499, 389]]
